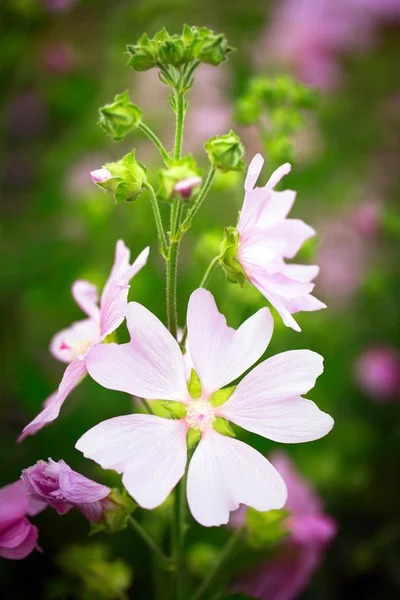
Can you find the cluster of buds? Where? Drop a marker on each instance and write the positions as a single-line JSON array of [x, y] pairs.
[[194, 44], [125, 178], [118, 118]]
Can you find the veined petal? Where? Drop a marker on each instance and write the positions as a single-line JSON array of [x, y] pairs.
[[225, 473], [75, 340], [295, 232], [86, 296], [253, 172], [122, 269], [77, 488], [150, 366], [276, 209], [150, 452], [256, 247], [219, 353], [113, 307], [303, 273], [72, 376]]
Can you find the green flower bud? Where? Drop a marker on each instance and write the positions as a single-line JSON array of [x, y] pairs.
[[124, 178], [211, 48], [143, 55], [265, 528], [248, 111], [179, 171], [229, 261], [117, 508], [120, 117], [172, 52], [280, 149], [225, 152]]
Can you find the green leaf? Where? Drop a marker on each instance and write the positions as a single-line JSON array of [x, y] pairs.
[[222, 396], [222, 426], [194, 385]]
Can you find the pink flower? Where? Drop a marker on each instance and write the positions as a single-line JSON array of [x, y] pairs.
[[100, 175], [267, 237], [185, 186], [311, 530], [57, 485], [71, 345], [18, 536], [377, 372], [151, 452], [366, 219], [59, 58]]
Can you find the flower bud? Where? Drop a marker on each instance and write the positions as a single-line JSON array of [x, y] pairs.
[[120, 117], [210, 48], [172, 52], [143, 55], [229, 261], [248, 111], [124, 178], [181, 177], [117, 507], [225, 152]]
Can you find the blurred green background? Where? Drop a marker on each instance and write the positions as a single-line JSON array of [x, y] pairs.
[[60, 61]]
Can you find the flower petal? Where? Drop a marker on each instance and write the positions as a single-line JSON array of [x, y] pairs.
[[268, 402], [76, 488], [72, 376], [122, 269], [219, 353], [150, 366], [278, 174], [253, 172], [13, 502], [86, 296], [294, 231], [15, 535], [150, 452], [225, 473], [25, 548]]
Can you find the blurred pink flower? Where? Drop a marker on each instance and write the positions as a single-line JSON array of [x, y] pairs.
[[377, 372], [59, 58], [18, 537], [288, 574], [366, 218], [151, 452], [267, 238], [57, 485], [71, 345], [58, 5]]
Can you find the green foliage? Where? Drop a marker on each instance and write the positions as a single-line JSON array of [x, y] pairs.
[[118, 118], [265, 528], [225, 152]]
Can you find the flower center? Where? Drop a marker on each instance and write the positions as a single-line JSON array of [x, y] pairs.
[[78, 348], [200, 415]]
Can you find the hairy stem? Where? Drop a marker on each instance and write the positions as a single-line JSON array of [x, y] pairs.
[[156, 141], [157, 217]]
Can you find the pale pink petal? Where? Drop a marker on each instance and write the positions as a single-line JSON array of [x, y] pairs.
[[268, 402], [304, 304], [150, 366], [77, 488], [75, 340], [303, 273], [278, 174], [86, 296], [100, 175], [276, 209], [150, 452], [253, 172], [225, 473], [253, 206], [122, 269], [294, 231], [258, 248], [219, 353], [114, 302], [72, 376]]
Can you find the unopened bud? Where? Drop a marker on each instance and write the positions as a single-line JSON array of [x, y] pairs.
[[225, 152], [120, 117]]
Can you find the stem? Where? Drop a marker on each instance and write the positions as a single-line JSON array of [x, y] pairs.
[[164, 560], [224, 555], [199, 200], [180, 115], [156, 141], [178, 538], [172, 268], [157, 217], [190, 71]]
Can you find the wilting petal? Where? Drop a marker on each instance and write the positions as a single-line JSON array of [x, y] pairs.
[[253, 172], [72, 376], [149, 451], [13, 504], [25, 548], [86, 296], [224, 473], [74, 341], [219, 353], [76, 488], [150, 366]]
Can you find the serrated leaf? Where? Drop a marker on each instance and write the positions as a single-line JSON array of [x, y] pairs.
[[222, 396], [194, 385]]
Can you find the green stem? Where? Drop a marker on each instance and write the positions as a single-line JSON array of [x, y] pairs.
[[172, 268], [157, 217], [165, 561], [199, 200], [180, 116], [178, 539], [147, 406], [190, 71], [156, 141], [214, 571]]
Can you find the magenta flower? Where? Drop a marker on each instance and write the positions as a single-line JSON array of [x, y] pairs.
[[71, 345], [57, 485], [267, 237], [377, 372], [18, 537], [185, 186], [311, 530], [151, 452]]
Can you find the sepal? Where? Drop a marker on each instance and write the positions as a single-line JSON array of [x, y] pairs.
[[117, 508], [118, 118], [225, 152], [228, 257]]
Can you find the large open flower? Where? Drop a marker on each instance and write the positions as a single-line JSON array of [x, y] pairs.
[[267, 237], [71, 345], [151, 452]]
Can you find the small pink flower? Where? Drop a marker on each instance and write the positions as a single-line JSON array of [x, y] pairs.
[[100, 175], [151, 452], [311, 531], [18, 537], [185, 186], [267, 238], [366, 219], [57, 485], [59, 58], [71, 345], [377, 372]]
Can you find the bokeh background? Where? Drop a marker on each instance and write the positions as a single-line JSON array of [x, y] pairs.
[[62, 59]]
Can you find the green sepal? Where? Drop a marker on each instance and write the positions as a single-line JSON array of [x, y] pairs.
[[128, 178], [120, 506], [222, 396], [176, 171], [193, 437], [225, 152], [265, 528], [194, 385], [228, 257], [143, 55], [118, 118], [172, 52], [177, 410], [222, 426]]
